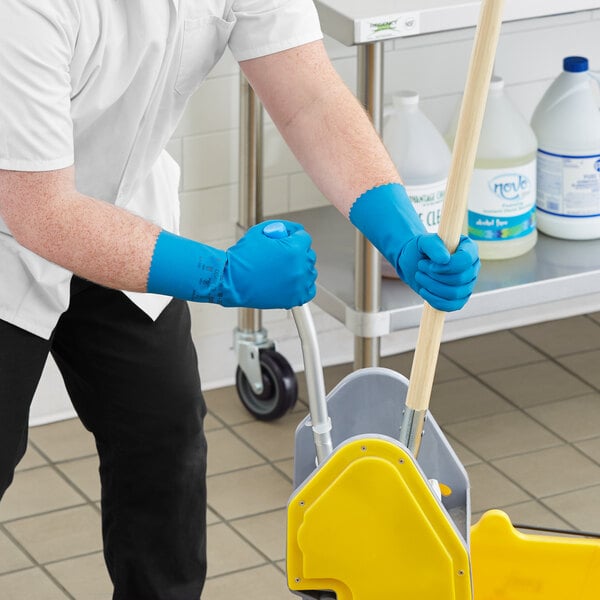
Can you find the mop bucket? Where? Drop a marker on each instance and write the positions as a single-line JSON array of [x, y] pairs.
[[507, 564], [366, 519]]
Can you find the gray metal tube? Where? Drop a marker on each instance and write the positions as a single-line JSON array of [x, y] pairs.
[[250, 181], [250, 167], [321, 423], [367, 279]]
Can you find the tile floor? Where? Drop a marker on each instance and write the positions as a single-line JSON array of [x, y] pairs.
[[521, 408]]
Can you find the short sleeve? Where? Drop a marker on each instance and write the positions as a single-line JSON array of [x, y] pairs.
[[267, 26], [36, 45]]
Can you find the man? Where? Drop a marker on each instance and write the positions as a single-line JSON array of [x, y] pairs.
[[91, 91]]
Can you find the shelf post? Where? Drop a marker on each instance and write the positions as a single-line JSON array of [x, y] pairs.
[[250, 187], [367, 269]]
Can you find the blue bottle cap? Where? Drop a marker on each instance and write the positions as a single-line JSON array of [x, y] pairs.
[[575, 64]]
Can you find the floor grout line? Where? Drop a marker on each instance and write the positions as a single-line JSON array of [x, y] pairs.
[[43, 513], [556, 361], [65, 478], [36, 564]]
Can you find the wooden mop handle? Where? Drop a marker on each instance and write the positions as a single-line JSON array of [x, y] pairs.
[[459, 180]]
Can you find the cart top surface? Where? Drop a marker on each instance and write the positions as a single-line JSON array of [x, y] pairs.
[[361, 21]]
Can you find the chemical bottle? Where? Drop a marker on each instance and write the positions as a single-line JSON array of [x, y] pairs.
[[501, 203], [567, 124], [421, 156]]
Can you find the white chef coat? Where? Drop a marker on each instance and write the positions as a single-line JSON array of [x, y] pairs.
[[101, 84]]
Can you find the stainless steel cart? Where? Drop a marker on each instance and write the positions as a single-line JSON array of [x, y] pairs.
[[556, 279]]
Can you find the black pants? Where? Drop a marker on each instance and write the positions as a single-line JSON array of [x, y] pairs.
[[135, 386]]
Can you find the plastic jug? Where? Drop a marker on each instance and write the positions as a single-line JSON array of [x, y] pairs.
[[501, 204], [421, 156], [567, 124]]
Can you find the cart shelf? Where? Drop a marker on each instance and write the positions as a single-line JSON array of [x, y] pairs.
[[557, 278], [553, 272], [511, 288]]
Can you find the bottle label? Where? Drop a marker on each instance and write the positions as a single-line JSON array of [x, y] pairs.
[[569, 186], [502, 203], [428, 200]]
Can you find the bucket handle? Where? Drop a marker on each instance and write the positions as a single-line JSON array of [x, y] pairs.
[[315, 384], [317, 402]]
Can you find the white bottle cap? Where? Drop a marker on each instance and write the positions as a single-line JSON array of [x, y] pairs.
[[497, 83], [405, 97]]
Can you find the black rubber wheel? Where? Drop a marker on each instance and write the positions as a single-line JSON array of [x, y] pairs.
[[280, 387]]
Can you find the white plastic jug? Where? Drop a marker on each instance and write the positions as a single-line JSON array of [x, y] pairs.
[[501, 204], [421, 156], [567, 124]]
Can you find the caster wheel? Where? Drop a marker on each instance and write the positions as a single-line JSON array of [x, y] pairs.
[[280, 387]]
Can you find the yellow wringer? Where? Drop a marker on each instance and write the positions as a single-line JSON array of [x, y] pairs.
[[367, 525]]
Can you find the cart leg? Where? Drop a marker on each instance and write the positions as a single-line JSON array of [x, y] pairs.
[[367, 290], [265, 381], [250, 336]]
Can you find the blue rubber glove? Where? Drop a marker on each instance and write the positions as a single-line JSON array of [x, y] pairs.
[[388, 220], [267, 271], [259, 271]]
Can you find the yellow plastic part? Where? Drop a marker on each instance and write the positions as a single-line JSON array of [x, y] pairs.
[[366, 525], [510, 565]]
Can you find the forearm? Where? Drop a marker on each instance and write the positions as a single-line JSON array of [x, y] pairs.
[[116, 249], [322, 122], [334, 140], [93, 239]]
